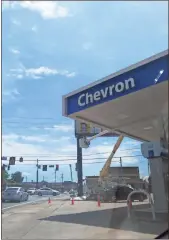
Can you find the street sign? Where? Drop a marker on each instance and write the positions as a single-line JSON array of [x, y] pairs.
[[83, 129]]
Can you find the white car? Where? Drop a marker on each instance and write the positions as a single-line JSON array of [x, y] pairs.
[[47, 191], [15, 194], [31, 191]]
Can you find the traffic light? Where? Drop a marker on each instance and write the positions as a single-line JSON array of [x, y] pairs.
[[21, 159], [12, 161], [57, 167], [44, 168]]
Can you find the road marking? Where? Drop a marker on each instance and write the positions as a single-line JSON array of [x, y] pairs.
[[25, 203]]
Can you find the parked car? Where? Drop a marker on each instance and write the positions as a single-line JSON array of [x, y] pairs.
[[15, 194], [121, 192], [31, 191], [47, 191]]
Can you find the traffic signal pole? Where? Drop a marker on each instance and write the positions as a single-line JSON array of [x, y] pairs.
[[79, 169], [37, 173]]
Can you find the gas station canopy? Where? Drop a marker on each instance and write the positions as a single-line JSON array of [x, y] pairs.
[[129, 102]]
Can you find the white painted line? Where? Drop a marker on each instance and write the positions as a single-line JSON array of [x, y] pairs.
[[25, 203], [29, 202]]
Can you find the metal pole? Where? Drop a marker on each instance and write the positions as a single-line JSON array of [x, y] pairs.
[[70, 165], [62, 181], [37, 173], [80, 169], [121, 169], [55, 177]]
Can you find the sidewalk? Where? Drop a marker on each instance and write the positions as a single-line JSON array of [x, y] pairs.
[[83, 220]]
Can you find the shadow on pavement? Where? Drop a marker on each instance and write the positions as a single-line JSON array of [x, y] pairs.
[[107, 218]]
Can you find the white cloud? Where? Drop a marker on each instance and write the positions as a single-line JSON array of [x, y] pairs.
[[61, 127], [37, 73], [9, 95], [34, 138], [64, 151], [47, 9], [11, 146], [14, 51]]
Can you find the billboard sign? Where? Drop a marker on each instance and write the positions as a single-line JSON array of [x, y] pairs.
[[83, 129]]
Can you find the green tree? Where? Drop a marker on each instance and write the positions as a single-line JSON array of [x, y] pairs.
[[4, 178], [17, 177], [5, 175]]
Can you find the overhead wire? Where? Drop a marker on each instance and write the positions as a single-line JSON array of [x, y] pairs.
[[74, 159], [53, 154]]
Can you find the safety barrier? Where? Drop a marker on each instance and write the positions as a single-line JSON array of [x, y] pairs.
[[129, 202]]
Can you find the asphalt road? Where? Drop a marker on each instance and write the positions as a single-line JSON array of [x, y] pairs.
[[34, 198]]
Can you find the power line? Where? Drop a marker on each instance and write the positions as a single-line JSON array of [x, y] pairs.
[[53, 154], [74, 159], [66, 164]]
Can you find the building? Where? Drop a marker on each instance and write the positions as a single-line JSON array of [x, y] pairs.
[[132, 102], [128, 175], [92, 184]]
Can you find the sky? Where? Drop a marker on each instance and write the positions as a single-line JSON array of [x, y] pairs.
[[52, 48]]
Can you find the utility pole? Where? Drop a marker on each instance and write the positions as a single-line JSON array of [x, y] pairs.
[[79, 169], [62, 181], [55, 178], [62, 178], [148, 168], [37, 173], [71, 176], [121, 170]]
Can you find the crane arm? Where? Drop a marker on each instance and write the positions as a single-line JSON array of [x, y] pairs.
[[104, 171]]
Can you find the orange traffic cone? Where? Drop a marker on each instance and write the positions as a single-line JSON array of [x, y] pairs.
[[72, 201], [49, 201]]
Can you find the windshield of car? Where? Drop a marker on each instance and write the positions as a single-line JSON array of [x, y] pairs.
[[84, 119]]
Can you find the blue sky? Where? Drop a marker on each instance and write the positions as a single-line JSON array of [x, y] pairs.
[[52, 48]]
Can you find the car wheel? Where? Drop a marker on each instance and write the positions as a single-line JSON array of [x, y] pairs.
[[40, 194], [20, 200], [26, 199]]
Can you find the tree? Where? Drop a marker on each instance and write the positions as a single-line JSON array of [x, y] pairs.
[[5, 175], [4, 178], [17, 177]]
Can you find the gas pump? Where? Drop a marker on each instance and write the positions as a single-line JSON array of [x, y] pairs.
[[157, 156]]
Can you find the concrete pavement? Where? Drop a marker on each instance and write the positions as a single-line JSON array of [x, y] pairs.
[[83, 220]]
